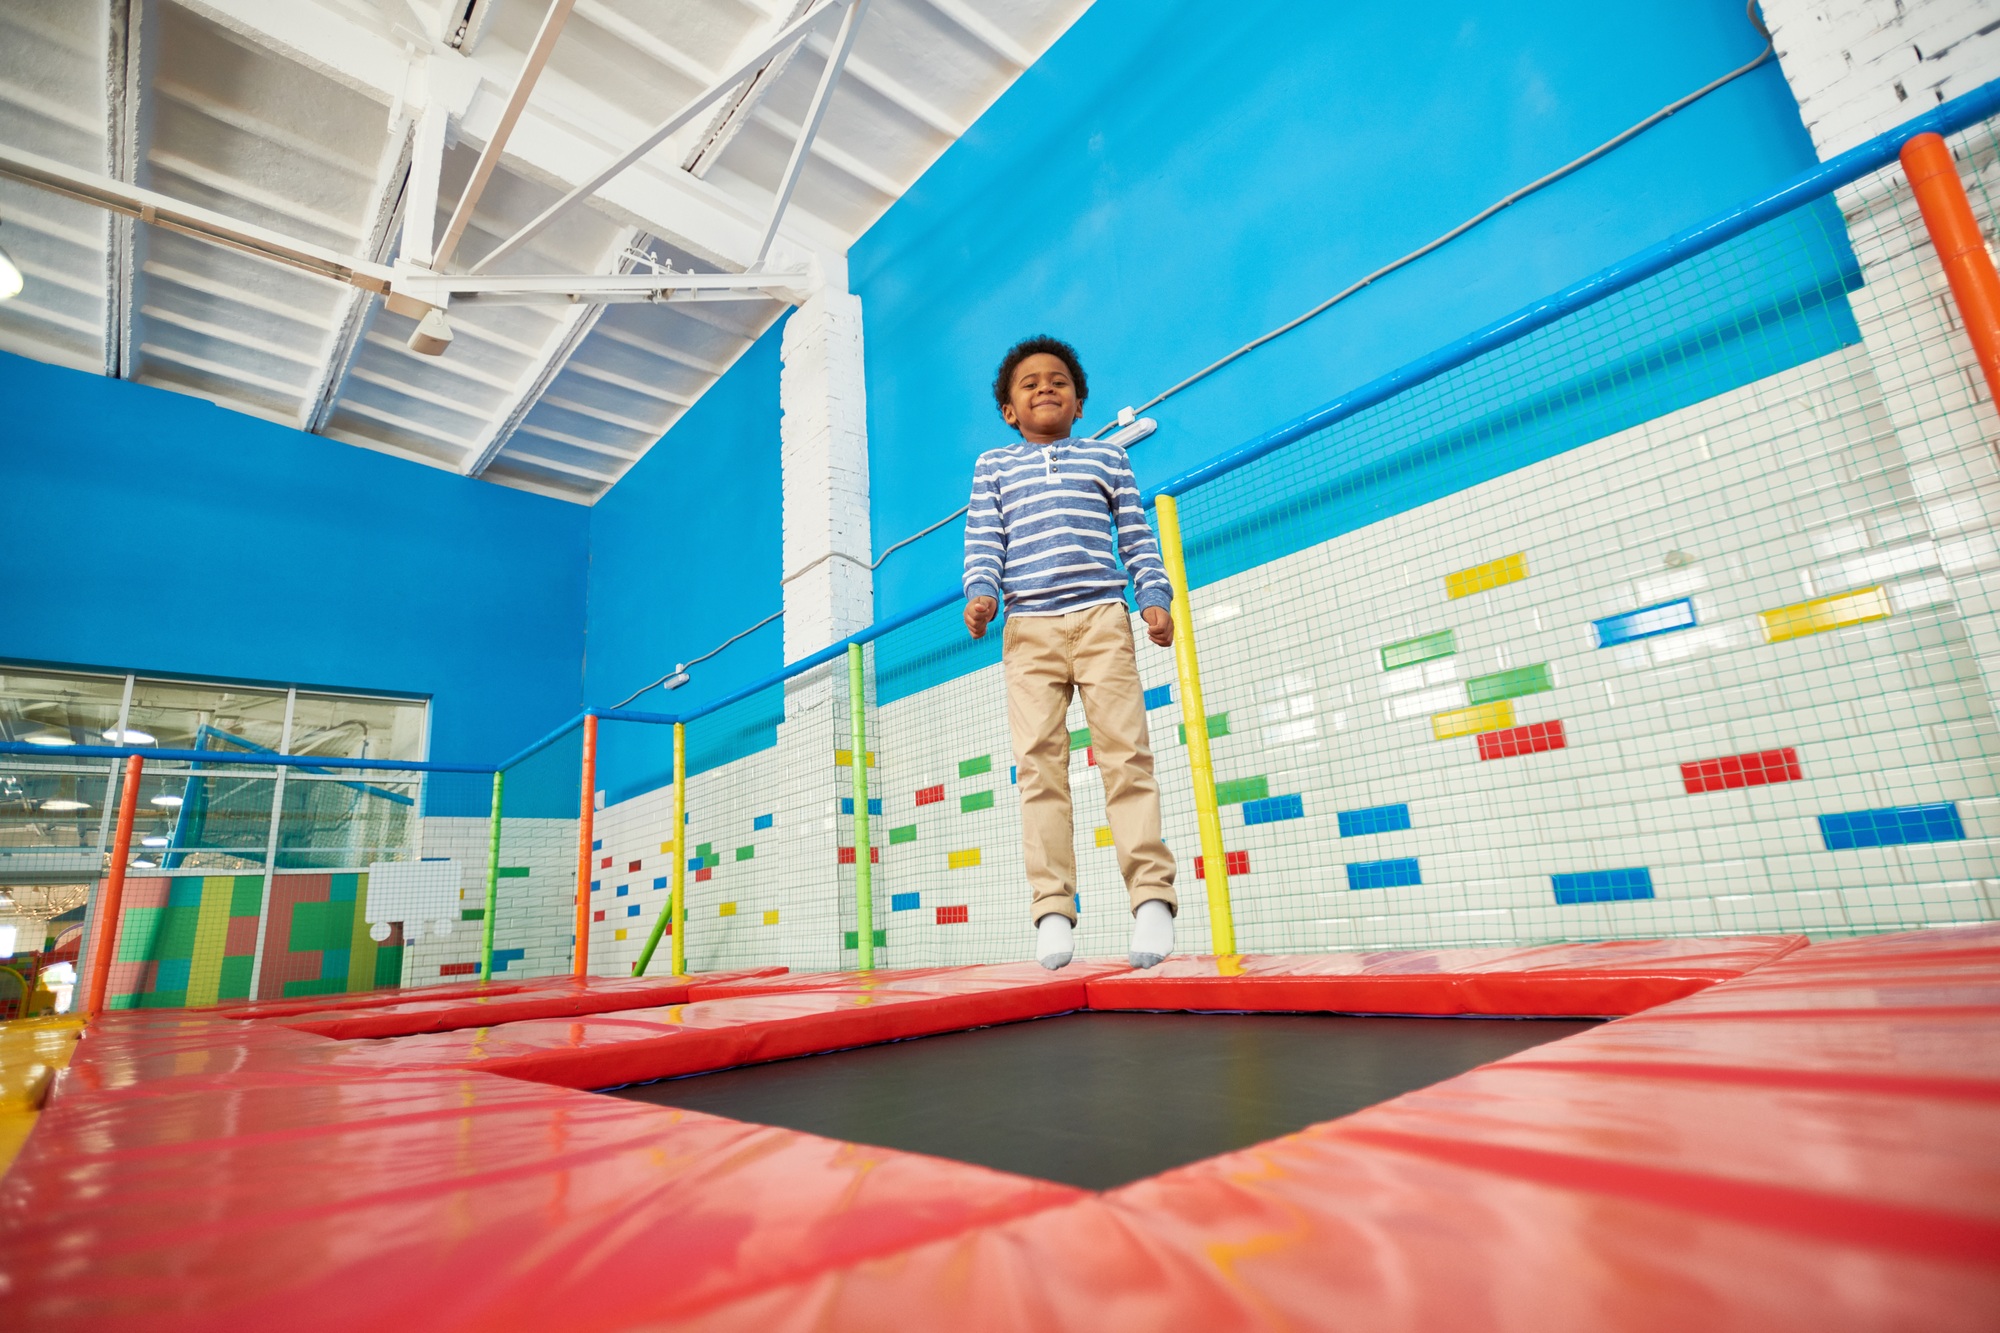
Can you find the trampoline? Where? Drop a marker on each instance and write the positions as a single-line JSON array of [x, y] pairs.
[[1098, 1100]]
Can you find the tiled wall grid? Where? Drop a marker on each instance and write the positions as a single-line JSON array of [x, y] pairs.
[[1733, 670], [1860, 67]]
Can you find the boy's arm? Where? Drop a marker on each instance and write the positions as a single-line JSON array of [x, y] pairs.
[[985, 551], [1140, 551]]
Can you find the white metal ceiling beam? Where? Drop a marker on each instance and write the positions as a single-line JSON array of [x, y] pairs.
[[557, 133], [730, 120], [989, 34], [420, 198], [124, 87], [496, 142], [569, 334], [358, 311], [850, 23], [671, 126], [891, 90]]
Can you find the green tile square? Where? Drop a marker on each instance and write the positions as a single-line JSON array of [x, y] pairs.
[[389, 967], [1510, 684], [1218, 725], [703, 849], [709, 860], [1423, 648], [1242, 789], [174, 936], [978, 800], [853, 939], [316, 986], [746, 853], [512, 872], [246, 895], [907, 833], [1079, 739], [471, 914], [972, 768], [136, 931], [235, 983], [328, 925]]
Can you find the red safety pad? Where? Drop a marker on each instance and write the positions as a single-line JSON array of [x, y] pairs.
[[1599, 980], [641, 1045], [375, 999], [1812, 1165], [569, 996], [441, 1202]]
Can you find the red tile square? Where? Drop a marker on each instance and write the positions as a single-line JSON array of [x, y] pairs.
[[633, 868], [1759, 768], [458, 970], [1533, 738], [951, 916], [597, 916], [703, 875], [847, 856], [931, 795], [1236, 863], [605, 864]]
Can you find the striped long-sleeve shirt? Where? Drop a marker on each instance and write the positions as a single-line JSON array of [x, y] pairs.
[[1048, 524]]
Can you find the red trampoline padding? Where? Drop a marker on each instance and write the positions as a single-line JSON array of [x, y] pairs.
[[1605, 979], [579, 995], [454, 1202], [375, 999], [638, 1046]]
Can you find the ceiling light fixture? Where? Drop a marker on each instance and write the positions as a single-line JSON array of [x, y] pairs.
[[155, 841], [166, 802], [63, 805], [141, 863], [11, 280], [117, 737], [47, 738]]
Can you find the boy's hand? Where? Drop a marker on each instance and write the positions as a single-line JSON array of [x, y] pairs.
[[979, 613], [1159, 626]]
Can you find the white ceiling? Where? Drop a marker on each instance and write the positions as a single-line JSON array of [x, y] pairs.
[[299, 116]]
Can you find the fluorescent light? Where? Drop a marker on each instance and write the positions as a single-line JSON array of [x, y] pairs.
[[167, 802], [6, 941], [155, 841], [141, 863], [64, 804], [48, 738], [10, 277], [116, 737]]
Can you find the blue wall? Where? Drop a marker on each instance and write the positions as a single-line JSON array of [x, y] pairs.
[[1175, 178], [685, 551], [148, 530]]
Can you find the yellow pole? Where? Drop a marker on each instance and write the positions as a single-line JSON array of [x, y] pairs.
[[680, 848], [1215, 862]]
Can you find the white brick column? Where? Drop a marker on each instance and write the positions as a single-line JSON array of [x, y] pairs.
[[829, 594]]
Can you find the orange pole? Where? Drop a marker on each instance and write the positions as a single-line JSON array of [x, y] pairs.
[[114, 892], [583, 839], [1968, 265]]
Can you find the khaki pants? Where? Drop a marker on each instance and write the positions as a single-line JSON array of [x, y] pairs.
[[1047, 658]]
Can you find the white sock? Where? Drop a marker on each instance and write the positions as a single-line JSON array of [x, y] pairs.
[[1053, 941], [1152, 934]]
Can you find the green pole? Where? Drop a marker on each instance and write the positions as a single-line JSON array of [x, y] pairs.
[[676, 910], [492, 883], [864, 879]]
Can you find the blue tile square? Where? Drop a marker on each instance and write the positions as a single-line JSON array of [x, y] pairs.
[[1661, 618], [633, 910], [904, 902], [597, 846], [1603, 886], [760, 822], [624, 890], [847, 805], [502, 957], [660, 883], [1895, 826], [1274, 808], [694, 863], [1159, 697], [1393, 874], [594, 886], [173, 973], [1375, 819]]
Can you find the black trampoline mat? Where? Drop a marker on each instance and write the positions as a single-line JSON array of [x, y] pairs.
[[1099, 1100]]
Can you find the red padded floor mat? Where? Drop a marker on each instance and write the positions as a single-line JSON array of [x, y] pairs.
[[564, 997], [1810, 1146]]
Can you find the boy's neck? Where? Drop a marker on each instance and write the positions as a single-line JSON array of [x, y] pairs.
[[1030, 437]]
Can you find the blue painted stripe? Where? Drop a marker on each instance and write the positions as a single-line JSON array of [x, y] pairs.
[[1892, 827], [502, 957], [1604, 886], [905, 902], [1375, 819], [1384, 874], [1663, 618], [760, 822], [1274, 808], [1159, 697]]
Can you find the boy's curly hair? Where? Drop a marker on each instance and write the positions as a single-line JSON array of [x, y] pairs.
[[1003, 383]]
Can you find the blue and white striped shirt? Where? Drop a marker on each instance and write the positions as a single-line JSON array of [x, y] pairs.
[[1040, 527]]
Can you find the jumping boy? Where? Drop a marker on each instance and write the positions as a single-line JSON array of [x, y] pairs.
[[1049, 520]]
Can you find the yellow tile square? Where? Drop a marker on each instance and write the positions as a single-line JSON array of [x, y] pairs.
[[771, 918], [1825, 613], [618, 935], [845, 759], [1470, 721], [960, 860], [1493, 574], [1104, 836], [727, 909]]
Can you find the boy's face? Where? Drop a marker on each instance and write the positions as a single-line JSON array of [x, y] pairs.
[[1042, 402]]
